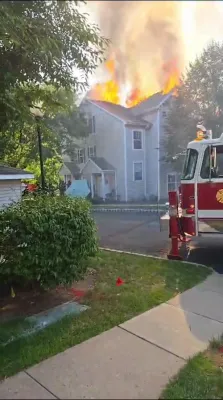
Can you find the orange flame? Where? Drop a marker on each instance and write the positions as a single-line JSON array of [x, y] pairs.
[[111, 91], [108, 91], [173, 74], [135, 97]]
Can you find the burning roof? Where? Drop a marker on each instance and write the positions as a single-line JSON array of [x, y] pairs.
[[133, 115], [113, 92], [121, 112], [145, 55], [151, 44]]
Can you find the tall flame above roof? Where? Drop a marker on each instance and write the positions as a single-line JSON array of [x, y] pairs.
[[151, 43]]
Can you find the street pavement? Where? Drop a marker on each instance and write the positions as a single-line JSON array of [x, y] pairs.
[[206, 251], [141, 233], [134, 360], [134, 232]]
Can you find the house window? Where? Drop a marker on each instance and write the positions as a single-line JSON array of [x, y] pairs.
[[137, 140], [74, 156], [93, 130], [80, 156], [172, 182], [91, 124], [92, 151], [137, 171]]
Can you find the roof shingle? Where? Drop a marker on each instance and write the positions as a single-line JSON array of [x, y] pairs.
[[150, 103], [121, 112], [102, 163], [6, 170], [72, 166]]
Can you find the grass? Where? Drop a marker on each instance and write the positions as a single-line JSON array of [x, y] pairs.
[[148, 282], [13, 328], [201, 378]]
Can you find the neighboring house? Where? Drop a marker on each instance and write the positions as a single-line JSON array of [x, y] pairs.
[[122, 156], [69, 171], [10, 184]]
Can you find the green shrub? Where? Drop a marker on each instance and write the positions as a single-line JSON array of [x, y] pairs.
[[46, 239]]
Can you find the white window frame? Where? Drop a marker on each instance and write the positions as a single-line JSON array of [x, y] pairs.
[[133, 140], [171, 183], [79, 156], [137, 180], [91, 124], [75, 156], [93, 154]]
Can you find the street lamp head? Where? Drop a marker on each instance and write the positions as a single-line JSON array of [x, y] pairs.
[[36, 112]]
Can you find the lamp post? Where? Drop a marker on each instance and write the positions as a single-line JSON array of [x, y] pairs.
[[37, 113]]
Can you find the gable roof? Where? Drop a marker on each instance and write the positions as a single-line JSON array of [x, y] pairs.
[[124, 114], [102, 163], [152, 102], [7, 172], [72, 166]]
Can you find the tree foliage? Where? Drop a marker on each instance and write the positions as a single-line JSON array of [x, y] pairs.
[[43, 42], [47, 50], [199, 98], [59, 127]]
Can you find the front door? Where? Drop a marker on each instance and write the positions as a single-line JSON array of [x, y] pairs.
[[98, 185], [210, 192]]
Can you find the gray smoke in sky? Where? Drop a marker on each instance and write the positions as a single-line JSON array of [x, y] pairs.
[[151, 40]]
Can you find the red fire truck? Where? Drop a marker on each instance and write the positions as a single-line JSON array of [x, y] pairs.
[[198, 208]]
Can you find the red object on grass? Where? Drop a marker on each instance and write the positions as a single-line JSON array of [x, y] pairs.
[[78, 293], [119, 281], [221, 349], [31, 187]]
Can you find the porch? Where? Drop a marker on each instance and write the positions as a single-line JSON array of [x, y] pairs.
[[101, 177]]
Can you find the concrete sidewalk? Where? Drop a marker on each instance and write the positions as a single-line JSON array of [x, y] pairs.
[[132, 361]]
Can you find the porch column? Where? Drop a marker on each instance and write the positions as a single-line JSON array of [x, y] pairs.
[[103, 185], [92, 186], [116, 192]]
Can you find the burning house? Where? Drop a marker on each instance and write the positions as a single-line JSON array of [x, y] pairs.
[[128, 104], [151, 42], [122, 156]]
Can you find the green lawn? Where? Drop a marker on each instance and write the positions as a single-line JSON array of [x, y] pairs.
[[201, 378], [148, 282]]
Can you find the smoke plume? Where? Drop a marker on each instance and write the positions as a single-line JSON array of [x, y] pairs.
[[145, 40], [151, 40]]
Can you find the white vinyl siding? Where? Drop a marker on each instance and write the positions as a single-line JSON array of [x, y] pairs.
[[172, 182], [10, 192], [108, 139]]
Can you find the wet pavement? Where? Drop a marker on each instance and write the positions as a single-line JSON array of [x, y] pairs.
[[141, 233]]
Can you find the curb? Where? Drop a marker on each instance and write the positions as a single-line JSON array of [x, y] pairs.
[[156, 257], [136, 210]]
